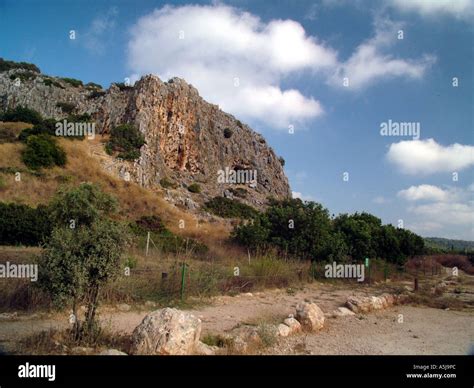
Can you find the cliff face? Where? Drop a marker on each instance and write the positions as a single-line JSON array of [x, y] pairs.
[[187, 139]]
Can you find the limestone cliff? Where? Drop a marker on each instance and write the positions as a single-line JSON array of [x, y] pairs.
[[188, 140]]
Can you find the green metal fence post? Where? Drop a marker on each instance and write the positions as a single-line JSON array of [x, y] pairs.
[[183, 278]]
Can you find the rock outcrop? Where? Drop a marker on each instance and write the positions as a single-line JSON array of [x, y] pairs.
[[310, 316], [370, 303], [188, 140], [167, 332]]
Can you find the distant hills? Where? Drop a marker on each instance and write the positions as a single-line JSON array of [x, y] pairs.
[[449, 244]]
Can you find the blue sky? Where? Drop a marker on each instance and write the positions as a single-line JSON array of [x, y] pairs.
[[284, 63]]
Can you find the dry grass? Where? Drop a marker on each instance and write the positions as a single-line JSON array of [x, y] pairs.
[[53, 341], [451, 260], [9, 131], [135, 201]]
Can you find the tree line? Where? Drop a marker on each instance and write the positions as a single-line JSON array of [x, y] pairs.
[[305, 230]]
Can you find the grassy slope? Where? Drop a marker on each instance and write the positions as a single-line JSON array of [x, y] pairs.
[[134, 200]]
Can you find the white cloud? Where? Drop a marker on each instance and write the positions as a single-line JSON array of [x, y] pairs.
[[423, 192], [449, 210], [369, 62], [453, 213], [380, 200], [95, 37], [425, 227], [456, 8], [221, 44], [303, 197], [428, 157]]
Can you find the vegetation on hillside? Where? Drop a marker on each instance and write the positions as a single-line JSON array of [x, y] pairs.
[[228, 208], [22, 114], [42, 151], [72, 81], [305, 230], [437, 244], [22, 224], [126, 140], [9, 65]]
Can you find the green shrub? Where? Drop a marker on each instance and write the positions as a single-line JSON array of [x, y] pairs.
[[228, 133], [78, 262], [71, 81], [108, 149], [282, 161], [22, 114], [42, 151], [150, 224], [52, 82], [194, 188], [96, 94], [122, 86], [228, 208], [239, 192], [305, 230], [93, 85], [298, 228], [168, 184], [127, 140], [47, 127], [129, 155], [78, 118], [21, 224], [9, 65], [130, 262], [66, 107], [23, 76], [163, 238]]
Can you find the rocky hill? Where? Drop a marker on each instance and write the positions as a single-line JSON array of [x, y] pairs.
[[188, 140]]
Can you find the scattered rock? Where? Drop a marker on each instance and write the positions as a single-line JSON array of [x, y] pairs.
[[343, 312], [81, 350], [283, 330], [367, 304], [8, 316], [244, 338], [310, 316], [205, 350], [167, 331], [112, 352], [124, 307], [293, 324]]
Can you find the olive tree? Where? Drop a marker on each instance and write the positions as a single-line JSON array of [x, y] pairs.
[[78, 261]]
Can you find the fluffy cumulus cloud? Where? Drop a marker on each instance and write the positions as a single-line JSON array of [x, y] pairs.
[[428, 157], [232, 57], [239, 62], [423, 192], [445, 209], [456, 8], [370, 61]]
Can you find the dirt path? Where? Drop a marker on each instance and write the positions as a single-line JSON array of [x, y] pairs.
[[423, 331]]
